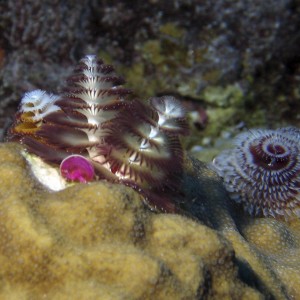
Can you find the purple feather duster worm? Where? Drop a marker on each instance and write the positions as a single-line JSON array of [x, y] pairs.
[[263, 171], [125, 141]]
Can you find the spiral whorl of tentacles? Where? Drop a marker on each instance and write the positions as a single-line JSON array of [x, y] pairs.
[[263, 171], [126, 141]]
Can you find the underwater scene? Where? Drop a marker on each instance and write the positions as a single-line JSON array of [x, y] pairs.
[[150, 150]]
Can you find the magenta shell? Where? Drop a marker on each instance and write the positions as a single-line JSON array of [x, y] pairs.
[[77, 168]]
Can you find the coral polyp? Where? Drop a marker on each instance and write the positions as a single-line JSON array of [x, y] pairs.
[[127, 141], [263, 171]]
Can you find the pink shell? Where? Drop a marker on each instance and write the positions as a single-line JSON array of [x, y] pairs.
[[77, 168]]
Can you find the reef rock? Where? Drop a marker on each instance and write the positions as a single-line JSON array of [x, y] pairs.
[[267, 250], [99, 241]]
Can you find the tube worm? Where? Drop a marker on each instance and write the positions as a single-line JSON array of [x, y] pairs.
[[263, 171], [128, 141]]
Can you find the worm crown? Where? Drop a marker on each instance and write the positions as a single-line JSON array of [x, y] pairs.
[[263, 171], [127, 141]]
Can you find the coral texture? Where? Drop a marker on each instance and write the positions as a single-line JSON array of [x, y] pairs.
[[125, 140], [98, 241], [262, 171]]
